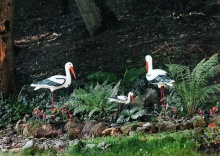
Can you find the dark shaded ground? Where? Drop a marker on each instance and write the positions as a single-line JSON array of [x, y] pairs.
[[45, 39]]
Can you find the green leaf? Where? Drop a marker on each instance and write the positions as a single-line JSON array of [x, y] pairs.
[[138, 114], [123, 119]]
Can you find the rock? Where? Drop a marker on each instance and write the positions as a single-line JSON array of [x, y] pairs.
[[125, 129], [198, 121], [21, 124], [150, 98], [87, 127], [40, 146], [167, 126], [97, 129], [28, 144], [185, 125], [143, 129], [148, 124], [6, 140], [74, 129], [60, 145], [47, 127], [113, 131], [46, 131], [154, 129], [26, 132], [139, 100], [70, 124]]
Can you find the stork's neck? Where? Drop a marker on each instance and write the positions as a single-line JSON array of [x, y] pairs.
[[67, 70], [149, 65], [129, 97]]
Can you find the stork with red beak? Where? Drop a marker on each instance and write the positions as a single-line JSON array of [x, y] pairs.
[[122, 99], [56, 82], [158, 77]]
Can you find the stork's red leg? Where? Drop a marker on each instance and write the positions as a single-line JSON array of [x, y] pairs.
[[163, 99], [162, 95], [52, 94]]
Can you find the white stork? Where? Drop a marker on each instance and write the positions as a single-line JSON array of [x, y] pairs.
[[157, 77], [56, 82], [122, 99]]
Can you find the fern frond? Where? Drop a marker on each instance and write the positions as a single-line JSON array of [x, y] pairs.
[[178, 72], [95, 100], [209, 90], [193, 87], [132, 74], [206, 69]]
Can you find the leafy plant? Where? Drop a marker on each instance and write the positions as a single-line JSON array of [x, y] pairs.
[[101, 77], [131, 79], [131, 114], [95, 100], [14, 108], [193, 86]]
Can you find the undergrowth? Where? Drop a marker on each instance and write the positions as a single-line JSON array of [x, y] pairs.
[[193, 86]]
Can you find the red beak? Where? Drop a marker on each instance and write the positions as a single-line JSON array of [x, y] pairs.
[[146, 67], [73, 72]]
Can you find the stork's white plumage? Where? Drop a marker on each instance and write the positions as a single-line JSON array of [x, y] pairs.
[[57, 81], [122, 99], [158, 77]]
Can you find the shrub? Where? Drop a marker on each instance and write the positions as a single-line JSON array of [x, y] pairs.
[[131, 79], [14, 108], [95, 100], [193, 86], [101, 77]]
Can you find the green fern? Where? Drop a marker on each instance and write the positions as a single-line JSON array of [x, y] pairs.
[[101, 77], [95, 100], [192, 86], [131, 76]]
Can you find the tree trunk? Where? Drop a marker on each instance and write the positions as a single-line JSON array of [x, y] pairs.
[[7, 65], [96, 15]]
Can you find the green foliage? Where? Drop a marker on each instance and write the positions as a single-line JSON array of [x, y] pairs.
[[14, 108], [101, 77], [95, 100], [132, 74], [131, 79], [42, 101], [131, 114], [193, 86]]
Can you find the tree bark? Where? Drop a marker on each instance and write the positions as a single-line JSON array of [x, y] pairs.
[[96, 15], [7, 64]]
